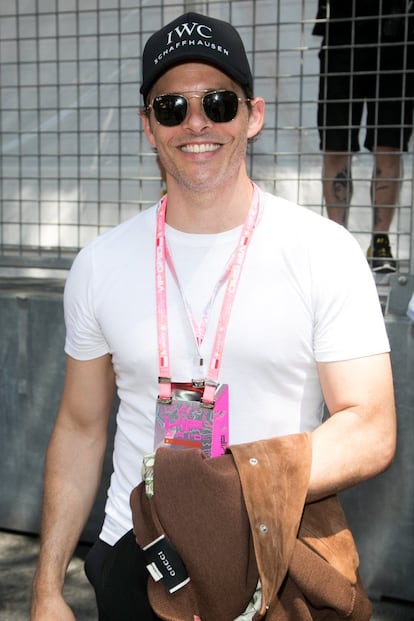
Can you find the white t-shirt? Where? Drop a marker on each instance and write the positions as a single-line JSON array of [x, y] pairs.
[[306, 295]]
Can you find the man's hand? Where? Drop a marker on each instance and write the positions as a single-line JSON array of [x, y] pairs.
[[52, 609]]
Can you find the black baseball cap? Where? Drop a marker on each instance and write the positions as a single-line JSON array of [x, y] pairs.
[[193, 37]]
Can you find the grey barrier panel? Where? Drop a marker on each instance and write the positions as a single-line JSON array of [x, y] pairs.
[[32, 366]]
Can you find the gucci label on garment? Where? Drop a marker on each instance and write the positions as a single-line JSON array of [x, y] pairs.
[[164, 563]]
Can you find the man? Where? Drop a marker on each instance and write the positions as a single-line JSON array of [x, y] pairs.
[[148, 304], [366, 58]]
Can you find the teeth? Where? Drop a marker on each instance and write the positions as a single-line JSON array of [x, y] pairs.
[[199, 148]]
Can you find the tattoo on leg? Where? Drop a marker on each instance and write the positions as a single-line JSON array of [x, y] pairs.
[[378, 185], [342, 188]]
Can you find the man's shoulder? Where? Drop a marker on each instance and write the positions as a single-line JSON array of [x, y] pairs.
[[125, 232], [124, 244], [288, 211], [294, 226]]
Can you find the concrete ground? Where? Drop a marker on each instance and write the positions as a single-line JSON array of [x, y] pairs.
[[17, 562], [18, 555]]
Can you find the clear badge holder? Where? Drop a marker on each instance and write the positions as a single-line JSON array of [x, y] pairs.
[[186, 422]]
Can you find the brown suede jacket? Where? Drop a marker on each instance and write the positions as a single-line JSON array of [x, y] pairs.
[[242, 517]]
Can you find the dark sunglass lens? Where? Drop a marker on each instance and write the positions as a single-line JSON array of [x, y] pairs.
[[221, 107], [170, 110]]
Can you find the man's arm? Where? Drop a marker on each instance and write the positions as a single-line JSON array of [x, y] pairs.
[[358, 441], [72, 475]]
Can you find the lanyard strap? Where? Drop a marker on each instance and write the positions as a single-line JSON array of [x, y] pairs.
[[232, 273], [199, 328]]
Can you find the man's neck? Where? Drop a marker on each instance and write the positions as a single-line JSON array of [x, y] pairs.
[[209, 212]]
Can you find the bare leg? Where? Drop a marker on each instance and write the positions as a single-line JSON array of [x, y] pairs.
[[385, 187], [385, 191], [337, 185]]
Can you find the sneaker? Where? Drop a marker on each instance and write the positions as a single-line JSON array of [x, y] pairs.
[[380, 255]]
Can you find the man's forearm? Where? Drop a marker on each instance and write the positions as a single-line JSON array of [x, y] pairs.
[[347, 450], [68, 499]]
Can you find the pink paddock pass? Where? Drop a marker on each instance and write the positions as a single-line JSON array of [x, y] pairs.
[[187, 423]]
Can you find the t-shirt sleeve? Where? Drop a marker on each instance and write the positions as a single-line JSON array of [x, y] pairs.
[[84, 337], [349, 322]]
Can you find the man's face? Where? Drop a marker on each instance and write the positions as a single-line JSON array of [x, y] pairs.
[[200, 154]]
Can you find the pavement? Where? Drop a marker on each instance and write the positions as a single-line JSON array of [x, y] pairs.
[[18, 553]]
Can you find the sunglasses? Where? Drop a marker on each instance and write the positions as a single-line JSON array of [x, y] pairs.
[[219, 106]]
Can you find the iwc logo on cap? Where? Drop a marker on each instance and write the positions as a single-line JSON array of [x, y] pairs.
[[194, 34]]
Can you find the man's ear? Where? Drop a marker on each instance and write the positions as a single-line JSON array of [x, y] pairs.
[[147, 128], [256, 116]]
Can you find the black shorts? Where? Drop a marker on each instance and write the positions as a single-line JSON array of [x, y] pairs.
[[382, 79], [119, 576]]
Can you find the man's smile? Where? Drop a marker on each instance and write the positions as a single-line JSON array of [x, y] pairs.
[[200, 148]]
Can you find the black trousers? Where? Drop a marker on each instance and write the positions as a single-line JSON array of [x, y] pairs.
[[119, 577]]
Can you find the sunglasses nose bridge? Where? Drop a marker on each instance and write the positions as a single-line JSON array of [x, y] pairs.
[[194, 111]]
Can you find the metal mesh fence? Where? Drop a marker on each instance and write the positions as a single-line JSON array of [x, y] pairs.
[[74, 158]]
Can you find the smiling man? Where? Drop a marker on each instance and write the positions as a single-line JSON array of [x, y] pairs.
[[220, 293]]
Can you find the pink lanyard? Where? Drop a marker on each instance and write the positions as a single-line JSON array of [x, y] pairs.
[[199, 329], [232, 273]]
